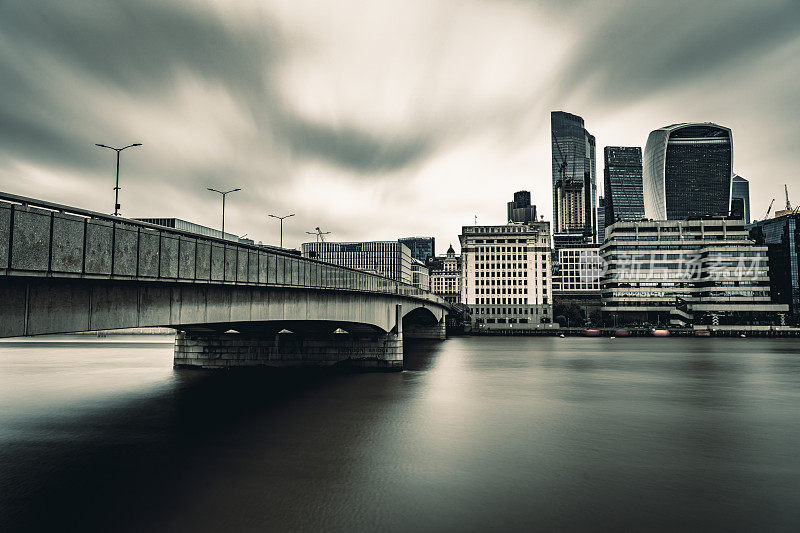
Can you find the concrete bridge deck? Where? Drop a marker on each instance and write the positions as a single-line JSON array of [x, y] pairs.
[[65, 269]]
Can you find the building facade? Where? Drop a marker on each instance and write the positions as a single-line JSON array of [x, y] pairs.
[[422, 248], [185, 225], [505, 274], [420, 276], [574, 180], [521, 210], [391, 259], [781, 236], [740, 188], [686, 272], [445, 273], [601, 219], [688, 171], [624, 197]]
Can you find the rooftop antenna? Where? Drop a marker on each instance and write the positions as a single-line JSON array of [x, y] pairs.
[[786, 190], [476, 220]]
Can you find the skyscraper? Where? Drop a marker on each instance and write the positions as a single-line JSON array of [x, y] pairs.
[[521, 210], [687, 171], [740, 188], [601, 219], [574, 180], [623, 184]]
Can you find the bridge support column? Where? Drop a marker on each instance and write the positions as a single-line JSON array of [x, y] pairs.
[[379, 352], [420, 331]]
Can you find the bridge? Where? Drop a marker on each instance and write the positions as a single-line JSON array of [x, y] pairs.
[[65, 269]]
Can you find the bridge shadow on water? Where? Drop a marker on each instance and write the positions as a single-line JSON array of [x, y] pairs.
[[129, 465]]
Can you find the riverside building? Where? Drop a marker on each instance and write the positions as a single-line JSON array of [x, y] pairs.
[[781, 236], [505, 274], [420, 276], [445, 274], [684, 272], [391, 259]]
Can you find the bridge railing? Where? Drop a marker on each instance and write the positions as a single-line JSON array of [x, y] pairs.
[[44, 239]]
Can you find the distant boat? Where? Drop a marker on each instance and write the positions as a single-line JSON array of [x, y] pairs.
[[591, 332], [621, 332], [702, 333], [660, 333], [743, 335]]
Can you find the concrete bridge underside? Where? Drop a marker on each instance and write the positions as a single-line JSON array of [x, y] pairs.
[[223, 326]]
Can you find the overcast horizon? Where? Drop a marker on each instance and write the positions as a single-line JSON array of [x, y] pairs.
[[375, 120]]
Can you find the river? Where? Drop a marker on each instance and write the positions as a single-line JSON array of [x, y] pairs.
[[478, 433]]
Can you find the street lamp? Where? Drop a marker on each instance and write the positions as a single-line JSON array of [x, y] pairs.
[[116, 188], [224, 194], [281, 219]]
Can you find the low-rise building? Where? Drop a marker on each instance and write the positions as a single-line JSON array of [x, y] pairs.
[[391, 259], [420, 276], [682, 272], [505, 274], [576, 282], [445, 272]]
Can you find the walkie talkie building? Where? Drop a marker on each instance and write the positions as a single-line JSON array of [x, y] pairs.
[[687, 171]]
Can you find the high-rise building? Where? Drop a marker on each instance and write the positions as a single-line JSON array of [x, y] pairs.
[[681, 272], [623, 184], [781, 236], [422, 248], [505, 274], [574, 180], [391, 259], [420, 275], [687, 171], [601, 219], [740, 188], [521, 210]]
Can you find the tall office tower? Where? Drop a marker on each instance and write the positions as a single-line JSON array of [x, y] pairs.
[[601, 219], [687, 171], [422, 248], [623, 184], [521, 210], [574, 180], [740, 188]]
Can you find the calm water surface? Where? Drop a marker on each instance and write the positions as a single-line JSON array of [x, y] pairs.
[[476, 434]]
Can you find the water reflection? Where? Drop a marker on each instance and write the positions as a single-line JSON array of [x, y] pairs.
[[478, 433]]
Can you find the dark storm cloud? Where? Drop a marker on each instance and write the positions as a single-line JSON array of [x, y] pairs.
[[139, 49], [631, 49], [352, 148]]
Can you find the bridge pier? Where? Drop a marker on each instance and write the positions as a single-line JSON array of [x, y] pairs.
[[424, 331], [382, 352]]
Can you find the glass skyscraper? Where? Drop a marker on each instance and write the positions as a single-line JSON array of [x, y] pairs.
[[687, 171], [574, 180], [740, 188], [624, 200]]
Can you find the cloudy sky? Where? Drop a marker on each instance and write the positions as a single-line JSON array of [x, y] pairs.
[[375, 119]]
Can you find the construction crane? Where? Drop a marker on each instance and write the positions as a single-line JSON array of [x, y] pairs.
[[769, 209], [319, 234], [786, 190]]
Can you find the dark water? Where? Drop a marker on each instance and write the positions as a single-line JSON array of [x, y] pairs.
[[477, 434]]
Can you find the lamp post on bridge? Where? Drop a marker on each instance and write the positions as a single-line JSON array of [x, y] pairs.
[[116, 187], [224, 194], [281, 219]]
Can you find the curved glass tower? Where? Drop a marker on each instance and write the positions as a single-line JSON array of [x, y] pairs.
[[687, 171]]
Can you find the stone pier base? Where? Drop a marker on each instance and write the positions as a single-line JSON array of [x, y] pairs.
[[379, 352], [418, 331]]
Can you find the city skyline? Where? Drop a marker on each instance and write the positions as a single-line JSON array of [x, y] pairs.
[[372, 142]]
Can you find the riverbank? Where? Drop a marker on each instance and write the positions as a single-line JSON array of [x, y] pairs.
[[698, 331]]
